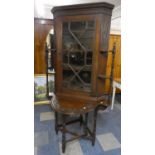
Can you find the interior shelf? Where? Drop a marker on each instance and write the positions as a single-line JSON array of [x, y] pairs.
[[76, 50], [83, 37], [79, 30], [77, 68], [76, 87]]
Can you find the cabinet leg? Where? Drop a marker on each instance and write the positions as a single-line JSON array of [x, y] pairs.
[[63, 133], [94, 128], [56, 122], [81, 120], [85, 124]]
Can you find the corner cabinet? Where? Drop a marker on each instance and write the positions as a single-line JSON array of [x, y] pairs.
[[81, 39]]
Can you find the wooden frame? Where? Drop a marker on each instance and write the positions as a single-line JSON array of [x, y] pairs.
[[70, 99], [101, 14], [40, 88], [83, 121]]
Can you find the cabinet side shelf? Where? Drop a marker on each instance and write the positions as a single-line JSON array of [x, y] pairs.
[[105, 52], [103, 77]]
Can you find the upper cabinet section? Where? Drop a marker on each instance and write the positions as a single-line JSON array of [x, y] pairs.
[[82, 9], [81, 35]]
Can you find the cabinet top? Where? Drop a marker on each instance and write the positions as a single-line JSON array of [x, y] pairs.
[[88, 8]]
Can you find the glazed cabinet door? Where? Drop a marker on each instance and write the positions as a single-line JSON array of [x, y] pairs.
[[75, 56]]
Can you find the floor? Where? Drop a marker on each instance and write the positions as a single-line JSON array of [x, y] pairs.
[[108, 138]]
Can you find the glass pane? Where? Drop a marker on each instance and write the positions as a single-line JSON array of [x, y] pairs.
[[76, 58], [77, 53]]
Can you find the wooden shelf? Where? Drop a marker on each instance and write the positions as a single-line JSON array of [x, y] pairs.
[[106, 52], [76, 50], [103, 77]]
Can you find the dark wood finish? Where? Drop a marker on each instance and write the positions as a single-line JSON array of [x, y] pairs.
[[63, 133], [41, 30], [65, 108], [71, 23], [56, 122], [83, 9], [69, 107], [100, 13], [50, 61]]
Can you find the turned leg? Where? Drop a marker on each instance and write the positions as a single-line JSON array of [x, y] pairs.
[[56, 122], [85, 124], [63, 134], [94, 128], [81, 120]]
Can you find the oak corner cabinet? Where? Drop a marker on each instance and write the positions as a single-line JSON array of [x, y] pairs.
[[81, 39]]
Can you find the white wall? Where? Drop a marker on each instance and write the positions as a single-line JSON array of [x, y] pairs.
[[116, 20]]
